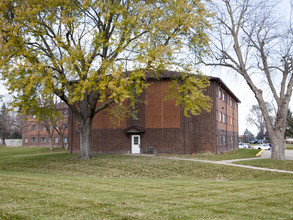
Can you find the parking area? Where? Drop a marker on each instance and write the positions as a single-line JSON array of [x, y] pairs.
[[267, 154]]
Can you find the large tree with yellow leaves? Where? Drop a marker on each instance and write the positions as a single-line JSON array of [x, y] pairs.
[[80, 50]]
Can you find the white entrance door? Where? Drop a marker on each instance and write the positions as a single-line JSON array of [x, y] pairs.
[[135, 144]]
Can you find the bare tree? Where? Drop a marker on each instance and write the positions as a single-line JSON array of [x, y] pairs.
[[255, 117], [249, 39]]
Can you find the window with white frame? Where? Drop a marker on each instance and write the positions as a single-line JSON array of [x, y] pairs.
[[220, 116], [224, 119], [33, 140], [26, 140], [65, 140], [43, 140], [56, 140], [220, 93]]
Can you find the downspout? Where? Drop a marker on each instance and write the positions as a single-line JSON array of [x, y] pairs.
[[226, 119], [216, 113]]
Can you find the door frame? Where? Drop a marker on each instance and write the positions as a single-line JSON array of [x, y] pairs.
[[134, 149]]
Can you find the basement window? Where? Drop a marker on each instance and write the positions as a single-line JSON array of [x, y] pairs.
[[43, 140], [33, 140]]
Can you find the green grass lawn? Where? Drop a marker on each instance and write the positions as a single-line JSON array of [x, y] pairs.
[[58, 186]]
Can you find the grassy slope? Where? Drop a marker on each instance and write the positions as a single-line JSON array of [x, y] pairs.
[[58, 186]]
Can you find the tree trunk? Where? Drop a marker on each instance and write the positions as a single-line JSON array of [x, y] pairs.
[[51, 143], [278, 146], [85, 129], [61, 140]]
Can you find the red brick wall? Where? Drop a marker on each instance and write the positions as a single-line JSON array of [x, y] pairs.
[[161, 113]]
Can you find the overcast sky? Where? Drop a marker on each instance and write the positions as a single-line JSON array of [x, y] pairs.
[[236, 84]]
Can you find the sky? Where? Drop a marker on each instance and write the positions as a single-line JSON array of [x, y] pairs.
[[235, 83]]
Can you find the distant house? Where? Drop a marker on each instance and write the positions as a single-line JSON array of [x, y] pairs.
[[34, 133], [161, 125]]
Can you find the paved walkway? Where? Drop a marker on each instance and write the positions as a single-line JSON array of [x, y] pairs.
[[265, 155]]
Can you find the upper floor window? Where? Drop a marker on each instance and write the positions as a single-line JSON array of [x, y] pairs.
[[224, 119], [43, 128], [64, 126], [135, 115], [220, 116], [220, 93], [231, 102], [34, 127], [223, 96]]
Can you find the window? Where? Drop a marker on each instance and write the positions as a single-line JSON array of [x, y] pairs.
[[135, 140], [65, 126], [220, 93], [231, 121], [26, 140], [220, 116], [43, 128], [223, 96], [43, 140], [34, 127], [56, 140], [221, 141], [65, 112], [65, 140], [33, 140], [135, 115], [224, 140], [224, 118], [26, 128], [231, 102]]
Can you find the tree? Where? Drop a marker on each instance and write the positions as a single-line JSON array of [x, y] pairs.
[[60, 122], [256, 118], [82, 50], [249, 39], [247, 136], [5, 124]]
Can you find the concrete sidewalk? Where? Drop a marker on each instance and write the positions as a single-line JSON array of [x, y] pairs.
[[226, 162]]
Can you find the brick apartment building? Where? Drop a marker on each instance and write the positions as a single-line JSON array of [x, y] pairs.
[[162, 124], [34, 133]]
